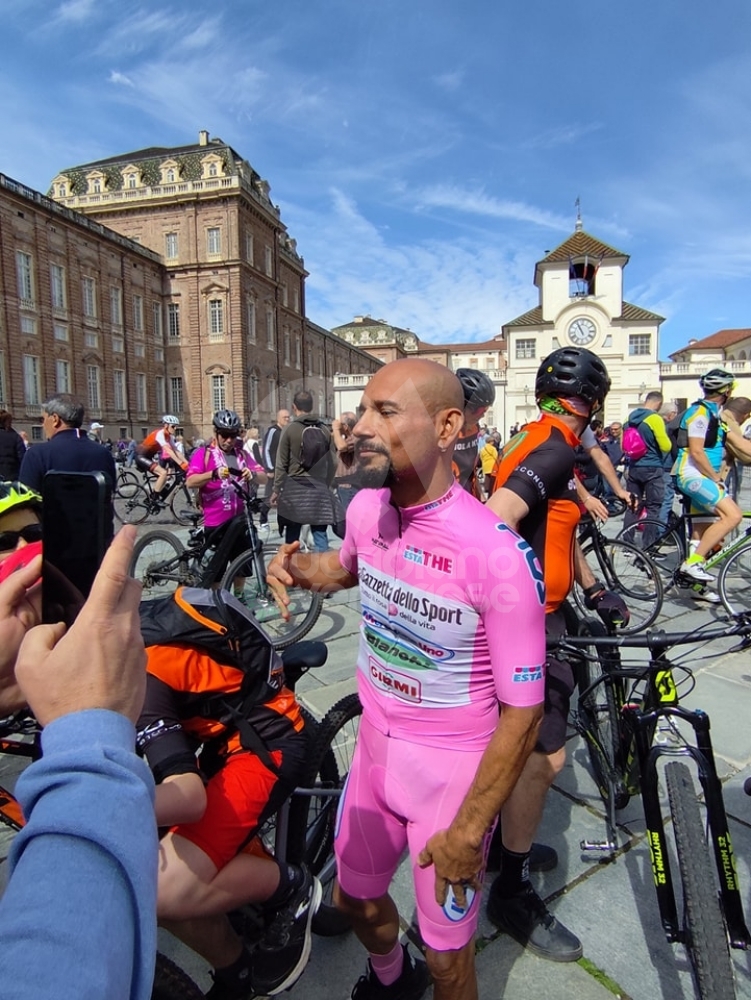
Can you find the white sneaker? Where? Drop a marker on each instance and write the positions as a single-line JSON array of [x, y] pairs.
[[704, 594], [697, 572]]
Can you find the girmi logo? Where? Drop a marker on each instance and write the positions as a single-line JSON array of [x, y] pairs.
[[401, 685], [430, 559]]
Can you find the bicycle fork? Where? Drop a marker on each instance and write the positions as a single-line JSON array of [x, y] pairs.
[[703, 755]]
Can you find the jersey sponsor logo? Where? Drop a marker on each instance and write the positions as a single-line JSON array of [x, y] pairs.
[[453, 909], [694, 485], [438, 503], [395, 652], [431, 648], [401, 597], [379, 543], [401, 685], [525, 675], [524, 470], [431, 559], [531, 560]]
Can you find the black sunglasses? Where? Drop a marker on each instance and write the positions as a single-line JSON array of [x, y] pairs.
[[227, 434], [30, 533]]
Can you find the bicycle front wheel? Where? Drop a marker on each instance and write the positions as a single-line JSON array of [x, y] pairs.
[[662, 544], [127, 482], [246, 578], [312, 818], [183, 506], [132, 507], [159, 563], [630, 573], [704, 927], [599, 716], [734, 581]]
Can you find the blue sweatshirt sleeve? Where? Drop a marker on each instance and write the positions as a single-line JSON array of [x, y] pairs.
[[78, 918]]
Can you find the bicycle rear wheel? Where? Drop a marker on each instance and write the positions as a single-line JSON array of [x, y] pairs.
[[704, 930], [159, 563], [631, 574], [734, 581], [246, 577], [665, 549], [183, 505], [312, 818], [599, 717], [172, 983], [132, 507]]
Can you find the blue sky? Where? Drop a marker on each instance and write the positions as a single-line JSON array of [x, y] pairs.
[[426, 154]]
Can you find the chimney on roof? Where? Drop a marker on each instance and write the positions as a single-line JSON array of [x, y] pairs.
[[693, 340], [203, 137]]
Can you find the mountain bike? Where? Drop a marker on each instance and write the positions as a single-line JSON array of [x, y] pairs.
[[300, 831], [624, 569], [162, 563], [630, 718], [134, 503], [670, 545]]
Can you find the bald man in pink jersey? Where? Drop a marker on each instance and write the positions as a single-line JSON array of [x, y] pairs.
[[453, 627]]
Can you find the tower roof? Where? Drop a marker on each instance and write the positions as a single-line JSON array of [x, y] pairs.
[[580, 244]]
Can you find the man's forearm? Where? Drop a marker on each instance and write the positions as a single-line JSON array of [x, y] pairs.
[[499, 770], [320, 571], [582, 573], [607, 470]]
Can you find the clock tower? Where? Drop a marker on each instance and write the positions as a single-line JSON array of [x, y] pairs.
[[581, 304]]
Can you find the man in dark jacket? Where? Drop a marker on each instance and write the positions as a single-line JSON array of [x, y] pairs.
[[303, 494], [12, 448], [67, 449], [645, 478]]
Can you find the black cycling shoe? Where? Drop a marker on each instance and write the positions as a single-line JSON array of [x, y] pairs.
[[527, 919]]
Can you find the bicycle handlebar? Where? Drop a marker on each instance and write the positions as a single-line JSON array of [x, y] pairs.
[[658, 639]]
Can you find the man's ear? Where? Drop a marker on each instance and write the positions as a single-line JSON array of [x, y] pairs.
[[450, 423]]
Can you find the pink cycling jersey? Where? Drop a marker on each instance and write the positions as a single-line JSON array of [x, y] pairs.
[[219, 498], [453, 609]]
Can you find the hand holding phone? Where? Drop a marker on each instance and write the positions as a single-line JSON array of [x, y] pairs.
[[74, 512]]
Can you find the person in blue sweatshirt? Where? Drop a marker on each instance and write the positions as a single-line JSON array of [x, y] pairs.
[[78, 917]]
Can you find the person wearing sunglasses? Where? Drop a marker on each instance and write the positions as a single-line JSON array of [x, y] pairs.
[[20, 518], [210, 471]]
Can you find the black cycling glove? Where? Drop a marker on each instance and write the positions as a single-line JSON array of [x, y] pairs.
[[609, 606]]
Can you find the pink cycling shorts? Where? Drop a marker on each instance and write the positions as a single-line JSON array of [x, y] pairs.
[[398, 794]]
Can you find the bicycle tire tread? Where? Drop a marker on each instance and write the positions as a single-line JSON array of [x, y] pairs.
[[706, 937]]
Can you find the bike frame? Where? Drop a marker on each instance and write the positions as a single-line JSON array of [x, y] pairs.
[[637, 728]]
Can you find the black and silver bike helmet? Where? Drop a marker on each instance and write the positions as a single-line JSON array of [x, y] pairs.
[[717, 380], [478, 387], [573, 371], [227, 420]]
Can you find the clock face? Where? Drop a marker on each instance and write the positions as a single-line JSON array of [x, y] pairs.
[[582, 331]]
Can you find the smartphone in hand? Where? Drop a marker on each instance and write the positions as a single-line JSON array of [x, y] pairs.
[[75, 507]]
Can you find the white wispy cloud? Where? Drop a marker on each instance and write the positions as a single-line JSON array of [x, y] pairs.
[[76, 10], [478, 202], [120, 78], [444, 290], [561, 135], [450, 81]]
